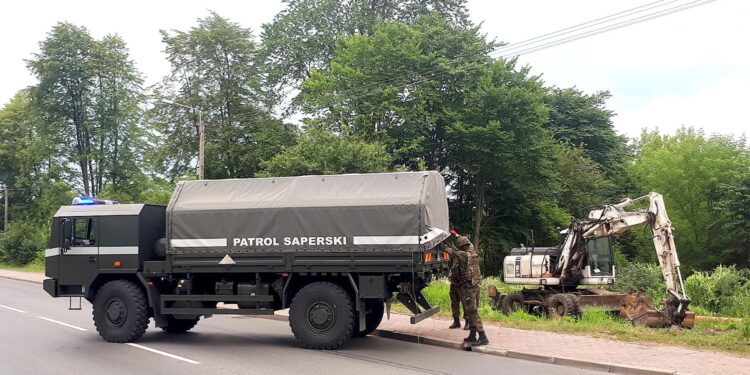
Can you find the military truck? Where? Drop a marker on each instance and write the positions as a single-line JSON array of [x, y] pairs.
[[335, 250]]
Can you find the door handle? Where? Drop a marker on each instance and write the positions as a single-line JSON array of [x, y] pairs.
[[92, 259]]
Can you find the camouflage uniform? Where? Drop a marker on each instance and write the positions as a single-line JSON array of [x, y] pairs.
[[471, 283], [470, 280], [455, 290]]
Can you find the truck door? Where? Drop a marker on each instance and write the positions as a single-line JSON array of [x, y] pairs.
[[79, 254]]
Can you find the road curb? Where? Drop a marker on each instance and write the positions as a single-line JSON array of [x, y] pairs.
[[560, 361], [21, 278]]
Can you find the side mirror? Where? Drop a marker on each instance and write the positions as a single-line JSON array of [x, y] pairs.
[[66, 244]]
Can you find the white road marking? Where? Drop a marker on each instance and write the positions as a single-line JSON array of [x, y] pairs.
[[63, 324], [177, 357], [11, 308]]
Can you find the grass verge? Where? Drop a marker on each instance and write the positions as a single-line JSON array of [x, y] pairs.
[[30, 267], [730, 336]]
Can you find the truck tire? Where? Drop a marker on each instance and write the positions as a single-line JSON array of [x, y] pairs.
[[120, 311], [374, 310], [179, 325], [321, 316], [562, 305], [512, 303]]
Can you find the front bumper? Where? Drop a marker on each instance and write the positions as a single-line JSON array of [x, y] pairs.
[[50, 286]]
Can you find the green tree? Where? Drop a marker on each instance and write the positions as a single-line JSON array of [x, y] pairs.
[[214, 71], [64, 92], [88, 98], [302, 38], [734, 207], [325, 152], [584, 121], [402, 86], [688, 168], [500, 148], [29, 163]]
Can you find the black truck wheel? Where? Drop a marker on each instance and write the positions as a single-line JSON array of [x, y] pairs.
[[321, 316], [120, 311], [561, 305], [374, 310], [512, 303], [179, 325]]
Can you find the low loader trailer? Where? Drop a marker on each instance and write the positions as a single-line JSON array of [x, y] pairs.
[[334, 250]]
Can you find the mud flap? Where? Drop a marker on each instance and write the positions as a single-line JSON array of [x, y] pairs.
[[413, 303]]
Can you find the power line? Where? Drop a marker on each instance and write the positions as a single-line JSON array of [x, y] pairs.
[[607, 28], [583, 25], [534, 48]]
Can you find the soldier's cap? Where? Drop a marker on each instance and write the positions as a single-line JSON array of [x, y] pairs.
[[461, 241]]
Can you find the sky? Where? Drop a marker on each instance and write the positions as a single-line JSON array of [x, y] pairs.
[[684, 69]]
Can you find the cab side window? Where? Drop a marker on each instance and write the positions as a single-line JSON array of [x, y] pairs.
[[84, 232]]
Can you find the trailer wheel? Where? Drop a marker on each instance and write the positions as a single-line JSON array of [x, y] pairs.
[[374, 310], [120, 311], [321, 316], [179, 325], [512, 303], [561, 305]]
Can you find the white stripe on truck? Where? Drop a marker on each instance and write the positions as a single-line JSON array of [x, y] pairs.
[[397, 240], [118, 250], [93, 250], [199, 242], [357, 240]]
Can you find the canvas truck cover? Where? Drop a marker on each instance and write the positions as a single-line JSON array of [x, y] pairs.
[[340, 213]]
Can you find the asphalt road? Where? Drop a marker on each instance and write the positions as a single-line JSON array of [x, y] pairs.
[[39, 335]]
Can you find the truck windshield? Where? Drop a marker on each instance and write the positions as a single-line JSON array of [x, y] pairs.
[[600, 257]]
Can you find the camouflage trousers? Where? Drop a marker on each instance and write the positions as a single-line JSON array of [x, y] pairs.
[[470, 300], [457, 301]]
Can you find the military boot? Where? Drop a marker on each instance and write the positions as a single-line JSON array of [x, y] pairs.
[[472, 336], [456, 324], [466, 324], [482, 340]]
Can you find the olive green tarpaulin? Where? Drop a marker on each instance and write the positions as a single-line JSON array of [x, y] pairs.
[[355, 212]]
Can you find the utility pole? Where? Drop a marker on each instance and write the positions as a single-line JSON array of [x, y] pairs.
[[5, 197], [201, 147], [201, 137]]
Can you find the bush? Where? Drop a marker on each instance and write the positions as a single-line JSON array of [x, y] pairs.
[[21, 243], [725, 291], [637, 276]]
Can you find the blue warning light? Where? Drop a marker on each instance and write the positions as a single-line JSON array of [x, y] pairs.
[[88, 201]]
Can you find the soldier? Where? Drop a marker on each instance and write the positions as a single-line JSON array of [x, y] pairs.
[[455, 288], [455, 295], [471, 281]]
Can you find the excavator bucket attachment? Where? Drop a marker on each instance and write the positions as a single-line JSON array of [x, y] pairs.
[[639, 308]]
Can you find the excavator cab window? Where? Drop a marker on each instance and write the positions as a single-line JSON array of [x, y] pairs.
[[600, 256]]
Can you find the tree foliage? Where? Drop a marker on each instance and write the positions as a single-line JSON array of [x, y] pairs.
[[302, 37], [88, 98], [215, 74], [402, 85], [689, 169], [325, 152]]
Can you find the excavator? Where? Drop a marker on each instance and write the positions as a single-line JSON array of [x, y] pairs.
[[586, 258]]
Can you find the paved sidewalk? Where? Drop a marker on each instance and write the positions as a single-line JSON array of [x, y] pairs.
[[24, 276], [557, 345], [564, 349]]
